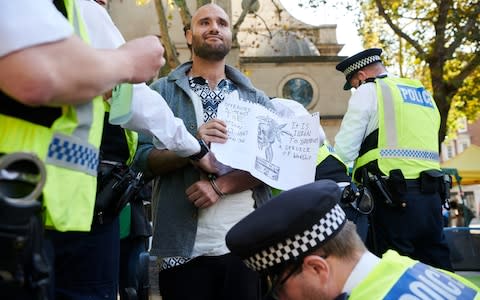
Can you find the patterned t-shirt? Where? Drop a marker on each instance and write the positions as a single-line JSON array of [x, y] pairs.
[[210, 101], [210, 98]]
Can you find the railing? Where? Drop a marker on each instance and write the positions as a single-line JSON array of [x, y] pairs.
[[464, 244]]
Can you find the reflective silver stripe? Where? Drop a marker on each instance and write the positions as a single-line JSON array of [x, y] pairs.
[[84, 111], [410, 153], [389, 117], [76, 23], [72, 153], [75, 152], [85, 120]]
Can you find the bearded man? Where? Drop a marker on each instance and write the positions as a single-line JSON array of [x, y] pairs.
[[192, 210]]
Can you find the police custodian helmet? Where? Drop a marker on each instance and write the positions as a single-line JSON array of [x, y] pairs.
[[355, 63], [288, 227]]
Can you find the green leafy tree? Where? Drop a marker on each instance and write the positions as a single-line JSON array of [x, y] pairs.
[[436, 41]]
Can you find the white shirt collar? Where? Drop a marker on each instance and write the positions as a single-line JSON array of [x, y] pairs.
[[367, 262]]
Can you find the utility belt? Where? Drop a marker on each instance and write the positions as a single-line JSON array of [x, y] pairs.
[[117, 184], [23, 265], [391, 190]]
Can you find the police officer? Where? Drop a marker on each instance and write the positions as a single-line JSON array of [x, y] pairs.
[[46, 108], [391, 130], [303, 242], [67, 139]]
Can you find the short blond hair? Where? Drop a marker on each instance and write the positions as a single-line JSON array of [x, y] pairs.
[[344, 244]]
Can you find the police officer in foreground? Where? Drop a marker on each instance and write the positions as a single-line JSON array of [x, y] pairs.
[[302, 241], [391, 130]]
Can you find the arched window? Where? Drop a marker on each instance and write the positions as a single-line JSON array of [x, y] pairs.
[[298, 89]]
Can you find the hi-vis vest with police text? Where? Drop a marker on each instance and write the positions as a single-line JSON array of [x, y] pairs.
[[69, 146], [408, 124], [399, 277]]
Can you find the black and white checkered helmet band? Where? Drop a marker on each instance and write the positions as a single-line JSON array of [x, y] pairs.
[[360, 64], [300, 243]]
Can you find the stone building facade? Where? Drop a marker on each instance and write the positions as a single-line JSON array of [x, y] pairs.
[[281, 55]]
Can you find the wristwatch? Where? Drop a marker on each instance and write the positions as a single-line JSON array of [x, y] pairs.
[[203, 151]]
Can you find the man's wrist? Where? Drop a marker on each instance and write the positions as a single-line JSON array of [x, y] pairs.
[[214, 185], [203, 151]]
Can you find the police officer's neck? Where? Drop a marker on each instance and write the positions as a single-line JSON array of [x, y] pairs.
[[374, 70]]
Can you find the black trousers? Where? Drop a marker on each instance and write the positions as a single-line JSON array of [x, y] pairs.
[[360, 220], [86, 263], [222, 277], [415, 231]]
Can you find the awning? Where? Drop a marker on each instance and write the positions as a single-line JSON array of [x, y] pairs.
[[467, 164]]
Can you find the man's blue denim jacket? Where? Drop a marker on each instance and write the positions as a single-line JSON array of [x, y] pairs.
[[174, 217]]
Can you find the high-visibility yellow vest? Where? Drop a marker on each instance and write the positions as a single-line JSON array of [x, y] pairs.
[[325, 150], [408, 124], [68, 146], [399, 277], [132, 142]]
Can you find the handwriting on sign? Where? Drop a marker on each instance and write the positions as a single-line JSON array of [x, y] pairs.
[[279, 151], [236, 114]]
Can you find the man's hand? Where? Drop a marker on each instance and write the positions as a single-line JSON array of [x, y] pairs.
[[202, 194], [146, 55], [214, 130]]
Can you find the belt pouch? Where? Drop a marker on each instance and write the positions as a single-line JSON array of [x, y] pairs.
[[430, 181]]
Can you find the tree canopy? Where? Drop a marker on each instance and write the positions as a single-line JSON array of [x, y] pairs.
[[436, 41]]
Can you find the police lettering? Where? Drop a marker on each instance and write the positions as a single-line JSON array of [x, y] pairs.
[[414, 95], [424, 282]]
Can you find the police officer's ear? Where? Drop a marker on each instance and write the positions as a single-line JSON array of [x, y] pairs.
[[314, 265], [361, 75]]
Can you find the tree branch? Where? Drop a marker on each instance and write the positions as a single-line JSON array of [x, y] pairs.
[[241, 18], [184, 12], [438, 50], [266, 25], [463, 32], [397, 30], [457, 81], [170, 50]]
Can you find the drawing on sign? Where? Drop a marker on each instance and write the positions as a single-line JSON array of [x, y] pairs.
[[269, 132]]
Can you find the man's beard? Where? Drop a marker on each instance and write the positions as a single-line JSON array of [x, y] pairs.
[[210, 52]]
